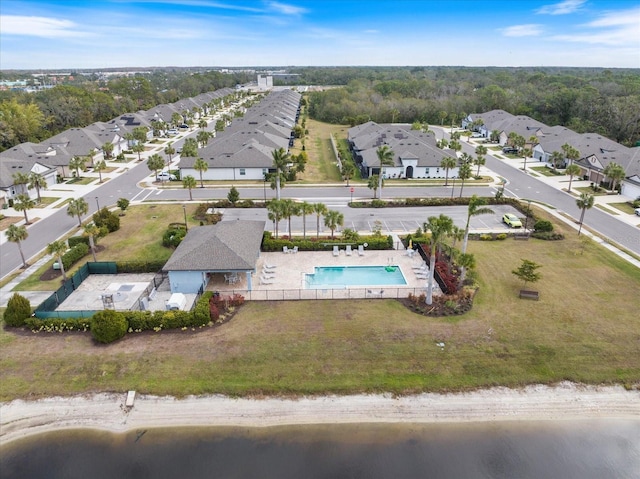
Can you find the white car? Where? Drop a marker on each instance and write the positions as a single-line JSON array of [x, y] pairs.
[[637, 211], [165, 176]]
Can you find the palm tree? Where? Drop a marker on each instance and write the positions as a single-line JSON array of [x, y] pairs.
[[138, 148], [21, 179], [77, 207], [100, 166], [200, 166], [447, 163], [91, 231], [155, 163], [572, 170], [23, 203], [372, 184], [275, 209], [305, 209], [556, 159], [203, 137], [386, 158], [91, 155], [202, 123], [289, 209], [77, 163], [17, 234], [476, 207], [189, 182], [58, 248], [584, 202], [107, 149], [570, 153], [466, 261], [333, 219], [319, 209], [481, 150], [615, 173], [169, 151], [37, 181], [464, 173], [479, 161], [439, 227], [281, 159], [347, 171]]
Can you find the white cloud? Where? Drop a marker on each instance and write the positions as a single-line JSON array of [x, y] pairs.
[[286, 9], [527, 30], [563, 8], [612, 28], [38, 26]]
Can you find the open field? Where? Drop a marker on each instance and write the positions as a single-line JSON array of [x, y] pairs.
[[321, 166], [583, 329]]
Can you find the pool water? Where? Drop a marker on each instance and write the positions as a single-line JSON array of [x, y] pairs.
[[334, 277]]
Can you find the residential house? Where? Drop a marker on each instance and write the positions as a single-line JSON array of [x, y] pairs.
[[596, 152], [550, 140], [24, 158], [415, 153]]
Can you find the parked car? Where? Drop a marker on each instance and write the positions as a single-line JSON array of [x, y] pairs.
[[512, 221], [165, 176], [509, 149], [172, 132], [637, 211]]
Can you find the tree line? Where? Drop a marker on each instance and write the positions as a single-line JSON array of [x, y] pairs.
[[603, 101]]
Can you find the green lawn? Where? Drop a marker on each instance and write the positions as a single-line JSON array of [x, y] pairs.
[[83, 180], [546, 171], [584, 329], [624, 207]]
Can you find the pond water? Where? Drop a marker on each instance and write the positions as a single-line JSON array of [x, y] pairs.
[[595, 449]]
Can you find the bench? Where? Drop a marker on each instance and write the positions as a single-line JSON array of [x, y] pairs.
[[521, 236], [527, 294]]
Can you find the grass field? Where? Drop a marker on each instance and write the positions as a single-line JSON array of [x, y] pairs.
[[321, 167], [139, 238], [585, 328]]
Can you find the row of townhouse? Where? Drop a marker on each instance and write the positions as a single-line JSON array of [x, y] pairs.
[[596, 151], [243, 151], [415, 153], [51, 157]]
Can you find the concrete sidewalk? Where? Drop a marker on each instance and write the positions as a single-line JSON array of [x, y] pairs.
[[35, 297]]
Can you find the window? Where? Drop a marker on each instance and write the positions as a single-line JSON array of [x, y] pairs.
[[242, 172]]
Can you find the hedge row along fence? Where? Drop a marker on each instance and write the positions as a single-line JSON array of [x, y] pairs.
[[134, 321], [270, 244]]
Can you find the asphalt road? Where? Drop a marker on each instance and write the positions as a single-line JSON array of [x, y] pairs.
[[401, 220]]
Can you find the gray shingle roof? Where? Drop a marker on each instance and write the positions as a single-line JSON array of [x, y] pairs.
[[225, 246]]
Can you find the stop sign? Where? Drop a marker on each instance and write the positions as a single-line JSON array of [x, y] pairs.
[[352, 189]]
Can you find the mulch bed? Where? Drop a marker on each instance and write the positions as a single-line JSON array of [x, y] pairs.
[[442, 305], [51, 273]]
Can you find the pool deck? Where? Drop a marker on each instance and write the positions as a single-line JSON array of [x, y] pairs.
[[290, 269]]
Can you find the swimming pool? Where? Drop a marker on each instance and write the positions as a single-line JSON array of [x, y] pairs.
[[334, 277]]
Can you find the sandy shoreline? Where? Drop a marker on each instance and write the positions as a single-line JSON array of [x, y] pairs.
[[19, 418]]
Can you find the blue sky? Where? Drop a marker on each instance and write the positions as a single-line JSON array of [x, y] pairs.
[[66, 34]]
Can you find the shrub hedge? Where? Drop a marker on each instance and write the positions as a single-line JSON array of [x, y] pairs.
[[76, 253], [108, 326], [75, 240], [18, 310], [322, 244], [58, 325]]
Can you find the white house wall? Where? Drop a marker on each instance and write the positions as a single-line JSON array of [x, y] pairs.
[[420, 172], [226, 173]]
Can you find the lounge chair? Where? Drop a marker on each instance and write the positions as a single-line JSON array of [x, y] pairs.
[[361, 250], [348, 250], [265, 281], [336, 251], [285, 249], [267, 270], [266, 276], [269, 266], [294, 250]]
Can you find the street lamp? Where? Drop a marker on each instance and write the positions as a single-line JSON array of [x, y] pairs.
[[97, 203], [184, 210]]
